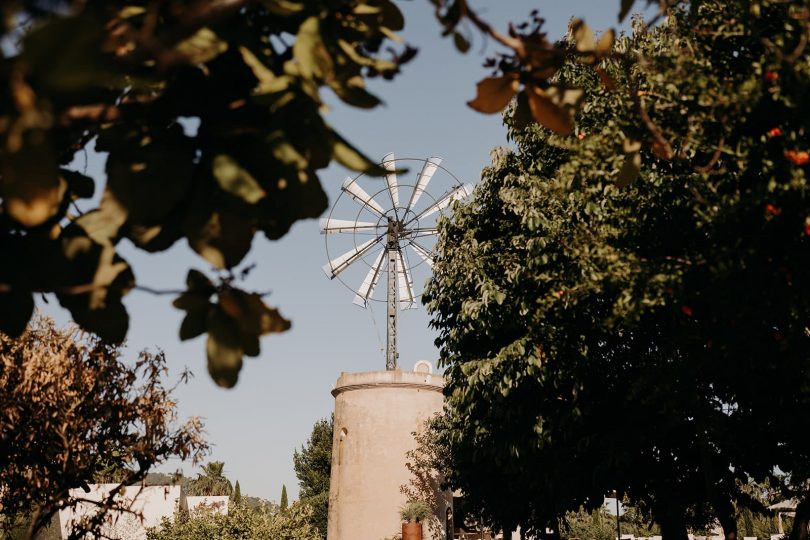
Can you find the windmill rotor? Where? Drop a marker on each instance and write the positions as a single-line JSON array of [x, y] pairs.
[[392, 234]]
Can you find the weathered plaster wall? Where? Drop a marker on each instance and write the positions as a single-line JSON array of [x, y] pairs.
[[375, 415]]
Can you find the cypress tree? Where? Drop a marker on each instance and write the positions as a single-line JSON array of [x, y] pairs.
[[237, 493], [283, 504]]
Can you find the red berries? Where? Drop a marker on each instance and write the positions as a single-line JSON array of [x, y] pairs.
[[797, 157], [771, 210], [775, 132], [771, 76], [686, 310]]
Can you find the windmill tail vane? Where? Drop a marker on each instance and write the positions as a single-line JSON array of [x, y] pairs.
[[386, 234]]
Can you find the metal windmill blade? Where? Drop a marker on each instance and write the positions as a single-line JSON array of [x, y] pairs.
[[388, 227]]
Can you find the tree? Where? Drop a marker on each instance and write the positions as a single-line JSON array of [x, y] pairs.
[[72, 408], [211, 481], [614, 305], [240, 523], [425, 463], [313, 467], [237, 493], [283, 502]]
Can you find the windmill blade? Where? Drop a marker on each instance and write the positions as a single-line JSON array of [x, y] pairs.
[[424, 254], [422, 232], [366, 289], [331, 226], [459, 193], [428, 169], [339, 264], [359, 194], [406, 297], [391, 178]]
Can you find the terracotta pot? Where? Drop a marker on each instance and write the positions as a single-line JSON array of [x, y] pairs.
[[412, 531]]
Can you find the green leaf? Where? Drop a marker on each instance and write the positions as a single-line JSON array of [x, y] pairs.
[[310, 52], [16, 308], [233, 179]]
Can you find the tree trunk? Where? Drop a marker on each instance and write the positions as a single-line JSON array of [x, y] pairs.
[[801, 521], [672, 526], [727, 517]]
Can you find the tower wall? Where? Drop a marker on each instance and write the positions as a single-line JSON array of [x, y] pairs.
[[376, 413]]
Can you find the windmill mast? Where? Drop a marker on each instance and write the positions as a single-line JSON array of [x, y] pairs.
[[392, 249]]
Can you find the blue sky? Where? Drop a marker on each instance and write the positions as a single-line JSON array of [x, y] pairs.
[[255, 427]]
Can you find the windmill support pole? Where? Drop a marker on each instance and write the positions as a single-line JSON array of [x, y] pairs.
[[391, 333]]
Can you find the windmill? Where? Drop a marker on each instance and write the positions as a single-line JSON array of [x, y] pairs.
[[388, 232]]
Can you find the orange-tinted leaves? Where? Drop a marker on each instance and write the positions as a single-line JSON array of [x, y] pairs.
[[494, 93], [554, 106]]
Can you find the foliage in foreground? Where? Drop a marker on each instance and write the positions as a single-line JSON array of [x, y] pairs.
[[210, 116], [620, 313], [241, 523], [313, 467], [71, 407]]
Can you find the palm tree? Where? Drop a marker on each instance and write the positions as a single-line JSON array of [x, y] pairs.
[[211, 481]]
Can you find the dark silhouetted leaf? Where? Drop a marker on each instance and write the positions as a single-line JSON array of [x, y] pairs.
[[223, 348], [224, 239], [80, 185], [233, 179], [194, 324], [461, 43], [626, 6], [30, 186], [16, 308]]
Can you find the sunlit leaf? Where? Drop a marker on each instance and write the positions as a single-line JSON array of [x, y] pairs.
[[233, 179], [494, 93], [202, 47]]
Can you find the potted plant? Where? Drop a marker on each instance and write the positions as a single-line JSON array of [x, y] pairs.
[[413, 513]]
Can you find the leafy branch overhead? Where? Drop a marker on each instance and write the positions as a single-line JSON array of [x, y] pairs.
[[210, 116]]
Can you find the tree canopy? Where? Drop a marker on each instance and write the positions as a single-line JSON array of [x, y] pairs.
[[211, 481], [73, 409], [313, 467], [626, 307]]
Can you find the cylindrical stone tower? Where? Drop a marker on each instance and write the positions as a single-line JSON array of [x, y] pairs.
[[376, 414]]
